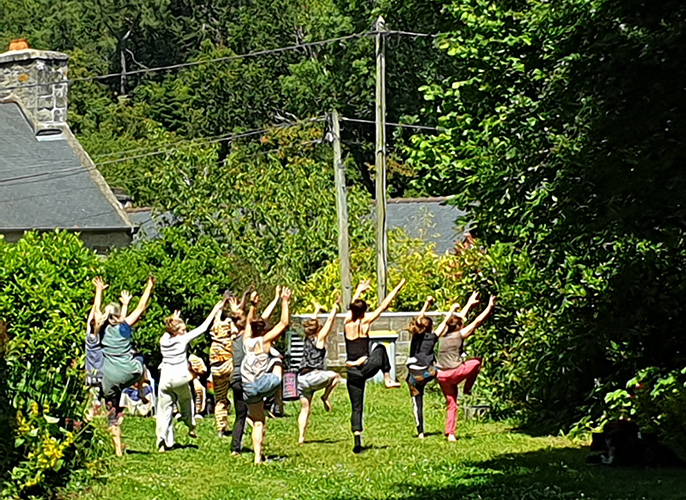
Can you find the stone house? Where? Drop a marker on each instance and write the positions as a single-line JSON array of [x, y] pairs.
[[47, 180]]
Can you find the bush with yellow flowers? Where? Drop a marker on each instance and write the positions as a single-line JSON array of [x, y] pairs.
[[45, 293]]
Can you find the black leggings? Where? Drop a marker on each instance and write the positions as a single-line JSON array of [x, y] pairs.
[[357, 378], [241, 408]]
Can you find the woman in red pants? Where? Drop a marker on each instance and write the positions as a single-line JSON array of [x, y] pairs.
[[452, 370]]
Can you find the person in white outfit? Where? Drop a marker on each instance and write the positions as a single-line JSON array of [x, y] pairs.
[[175, 377]]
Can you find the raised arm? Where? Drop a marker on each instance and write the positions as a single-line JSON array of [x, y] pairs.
[[285, 320], [95, 315], [216, 311], [362, 287], [251, 317], [473, 300], [468, 330], [427, 303], [440, 331], [272, 305], [374, 315], [330, 322], [133, 318], [125, 299], [246, 295]]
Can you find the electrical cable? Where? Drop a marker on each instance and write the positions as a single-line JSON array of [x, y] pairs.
[[236, 57], [171, 67]]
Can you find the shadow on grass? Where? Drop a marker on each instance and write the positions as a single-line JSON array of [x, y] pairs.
[[559, 473], [324, 441]]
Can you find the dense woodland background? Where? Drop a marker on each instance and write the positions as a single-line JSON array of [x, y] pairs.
[[561, 130]]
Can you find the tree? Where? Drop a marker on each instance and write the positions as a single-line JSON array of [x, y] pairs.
[[564, 136]]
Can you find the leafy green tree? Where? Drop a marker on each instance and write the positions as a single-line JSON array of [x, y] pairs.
[[563, 135]]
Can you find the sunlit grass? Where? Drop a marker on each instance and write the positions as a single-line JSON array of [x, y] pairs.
[[489, 461]]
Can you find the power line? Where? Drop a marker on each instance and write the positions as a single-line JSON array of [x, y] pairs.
[[399, 125], [210, 140], [412, 34], [170, 67], [175, 146], [236, 57], [31, 178]]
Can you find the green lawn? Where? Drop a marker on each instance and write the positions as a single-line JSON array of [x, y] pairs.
[[490, 461]]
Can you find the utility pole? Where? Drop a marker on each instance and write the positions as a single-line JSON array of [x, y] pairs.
[[381, 244], [341, 211]]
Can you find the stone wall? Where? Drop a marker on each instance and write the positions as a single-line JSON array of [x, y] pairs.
[[37, 81]]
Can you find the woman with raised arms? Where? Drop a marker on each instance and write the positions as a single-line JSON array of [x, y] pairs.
[[362, 364], [452, 370], [175, 376], [312, 375], [261, 369]]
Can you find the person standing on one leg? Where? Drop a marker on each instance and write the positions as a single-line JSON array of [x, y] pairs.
[[221, 359], [121, 367], [261, 370], [175, 377], [421, 367], [362, 364], [451, 369], [312, 376], [95, 359]]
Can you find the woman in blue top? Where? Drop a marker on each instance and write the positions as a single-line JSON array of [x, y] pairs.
[[122, 367]]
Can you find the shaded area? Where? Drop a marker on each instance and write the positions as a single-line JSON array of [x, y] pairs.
[[545, 474]]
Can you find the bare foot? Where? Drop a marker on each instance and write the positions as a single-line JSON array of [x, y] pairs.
[[389, 382], [358, 362], [327, 404]]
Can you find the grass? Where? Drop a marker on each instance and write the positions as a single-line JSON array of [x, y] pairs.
[[490, 461]]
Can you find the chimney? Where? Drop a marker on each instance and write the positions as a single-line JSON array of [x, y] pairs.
[[37, 81]]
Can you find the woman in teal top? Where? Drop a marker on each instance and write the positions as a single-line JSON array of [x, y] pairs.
[[122, 367]]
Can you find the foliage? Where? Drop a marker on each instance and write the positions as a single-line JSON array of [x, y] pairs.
[[44, 297], [489, 461], [655, 400], [191, 276], [562, 133], [449, 278]]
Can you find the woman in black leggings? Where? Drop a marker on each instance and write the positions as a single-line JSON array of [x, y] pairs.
[[362, 364]]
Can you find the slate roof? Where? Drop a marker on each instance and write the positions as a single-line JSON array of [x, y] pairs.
[[50, 183], [431, 219]]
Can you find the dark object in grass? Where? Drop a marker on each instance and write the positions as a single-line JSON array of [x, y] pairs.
[[622, 444]]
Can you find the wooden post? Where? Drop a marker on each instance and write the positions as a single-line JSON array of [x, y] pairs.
[[341, 211], [381, 245]]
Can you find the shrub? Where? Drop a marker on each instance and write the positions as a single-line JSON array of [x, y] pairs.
[[45, 293], [191, 276], [656, 400], [447, 277]]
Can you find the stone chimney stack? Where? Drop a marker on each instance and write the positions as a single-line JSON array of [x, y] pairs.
[[37, 81]]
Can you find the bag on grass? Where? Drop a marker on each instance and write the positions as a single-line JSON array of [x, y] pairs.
[[290, 386]]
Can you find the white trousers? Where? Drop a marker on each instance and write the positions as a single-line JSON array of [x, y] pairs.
[[174, 388]]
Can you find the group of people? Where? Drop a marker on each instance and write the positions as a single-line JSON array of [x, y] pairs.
[[242, 358]]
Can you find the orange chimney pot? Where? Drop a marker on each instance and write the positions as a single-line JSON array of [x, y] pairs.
[[19, 44]]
